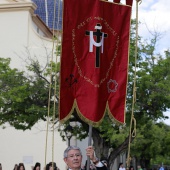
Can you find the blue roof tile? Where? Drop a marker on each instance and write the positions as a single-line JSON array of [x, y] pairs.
[[41, 12]]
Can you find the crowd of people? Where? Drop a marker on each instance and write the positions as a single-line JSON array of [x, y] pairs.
[[37, 166], [159, 167], [73, 158]]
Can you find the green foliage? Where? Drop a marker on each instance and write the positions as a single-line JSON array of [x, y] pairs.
[[77, 130], [112, 133], [151, 143], [152, 99], [23, 99], [152, 79]]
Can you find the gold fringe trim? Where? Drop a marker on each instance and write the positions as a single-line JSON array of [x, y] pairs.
[[89, 122]]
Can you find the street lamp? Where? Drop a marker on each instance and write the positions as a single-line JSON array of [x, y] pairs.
[[68, 133]]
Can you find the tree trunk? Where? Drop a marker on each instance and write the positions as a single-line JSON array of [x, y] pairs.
[[102, 147]]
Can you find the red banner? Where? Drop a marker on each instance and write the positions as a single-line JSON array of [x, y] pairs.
[[94, 61]]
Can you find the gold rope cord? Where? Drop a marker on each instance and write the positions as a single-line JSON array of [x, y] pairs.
[[50, 86], [132, 133]]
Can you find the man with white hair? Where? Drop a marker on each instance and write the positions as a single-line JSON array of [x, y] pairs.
[[73, 158]]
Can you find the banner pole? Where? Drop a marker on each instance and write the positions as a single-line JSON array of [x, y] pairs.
[[89, 144]]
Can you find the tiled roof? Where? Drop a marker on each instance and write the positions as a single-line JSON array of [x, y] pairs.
[[41, 12]]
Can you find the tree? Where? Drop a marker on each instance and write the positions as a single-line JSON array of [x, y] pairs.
[[23, 99], [150, 145]]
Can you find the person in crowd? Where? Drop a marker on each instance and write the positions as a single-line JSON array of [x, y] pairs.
[[121, 166], [37, 166], [0, 166], [160, 167], [166, 168], [73, 158], [21, 166], [51, 165], [15, 167], [131, 168], [139, 167]]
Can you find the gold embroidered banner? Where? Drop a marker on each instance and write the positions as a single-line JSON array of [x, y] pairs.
[[94, 61]]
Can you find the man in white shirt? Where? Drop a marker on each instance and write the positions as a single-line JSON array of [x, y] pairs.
[[121, 167]]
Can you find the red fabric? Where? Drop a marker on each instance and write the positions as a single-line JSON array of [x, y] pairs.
[[93, 85], [117, 1], [129, 2]]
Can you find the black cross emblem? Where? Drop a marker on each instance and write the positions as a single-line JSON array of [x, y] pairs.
[[98, 34], [71, 80]]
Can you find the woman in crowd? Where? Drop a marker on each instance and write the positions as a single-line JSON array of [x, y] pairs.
[[131, 168], [37, 166], [15, 167], [21, 166]]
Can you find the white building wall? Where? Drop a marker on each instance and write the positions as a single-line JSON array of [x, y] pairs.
[[39, 46], [28, 147], [13, 32], [18, 37]]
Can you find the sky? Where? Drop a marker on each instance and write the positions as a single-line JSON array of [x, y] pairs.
[[168, 120], [154, 16]]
